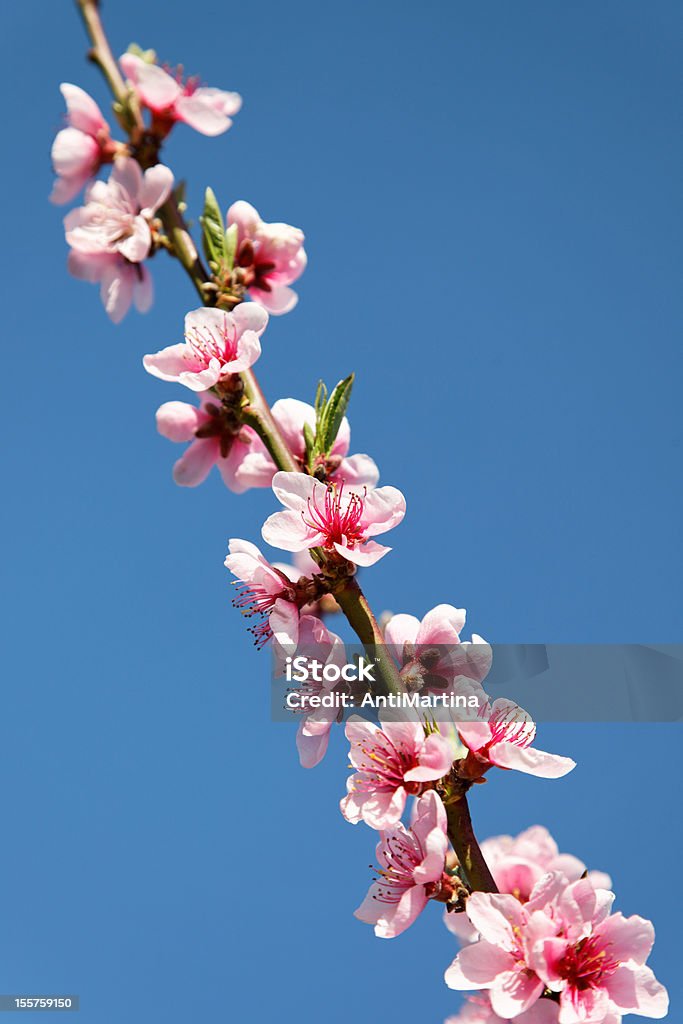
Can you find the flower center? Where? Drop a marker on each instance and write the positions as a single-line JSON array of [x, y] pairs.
[[204, 344], [511, 726], [402, 855], [254, 600], [586, 965], [222, 423], [384, 766], [339, 520]]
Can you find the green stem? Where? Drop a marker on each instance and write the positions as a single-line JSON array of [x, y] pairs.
[[464, 842], [258, 415], [354, 604], [184, 248]]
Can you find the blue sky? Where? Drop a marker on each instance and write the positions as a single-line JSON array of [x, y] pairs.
[[491, 199]]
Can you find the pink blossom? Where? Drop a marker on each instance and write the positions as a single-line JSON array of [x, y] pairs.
[[110, 235], [499, 960], [207, 110], [391, 762], [271, 257], [478, 1010], [596, 960], [79, 150], [291, 415], [333, 517], [430, 652], [318, 644], [217, 439], [216, 345], [411, 869], [518, 864], [121, 283], [504, 739], [265, 592], [564, 939], [117, 212]]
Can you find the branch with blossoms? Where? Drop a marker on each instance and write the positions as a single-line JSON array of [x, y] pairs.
[[540, 944]]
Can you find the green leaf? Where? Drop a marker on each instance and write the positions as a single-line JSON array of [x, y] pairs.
[[230, 246], [320, 399], [213, 236], [333, 414], [309, 441]]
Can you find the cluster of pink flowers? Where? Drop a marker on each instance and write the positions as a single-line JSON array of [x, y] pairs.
[[115, 232], [543, 949], [546, 947], [241, 458], [563, 940]]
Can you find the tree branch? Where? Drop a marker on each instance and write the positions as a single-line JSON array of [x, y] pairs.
[[468, 852], [257, 414]]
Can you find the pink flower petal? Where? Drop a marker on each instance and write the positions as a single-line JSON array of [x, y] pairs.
[[167, 364], [65, 189], [285, 530], [630, 938], [156, 88], [284, 622], [343, 439], [128, 174], [474, 734], [401, 629], [201, 115], [177, 421], [530, 760], [82, 110], [358, 471], [90, 266], [441, 625], [495, 915], [74, 154], [136, 246], [435, 760], [635, 989], [193, 466], [312, 747], [516, 992], [249, 316], [294, 490], [246, 217], [156, 188], [248, 351], [399, 916], [290, 415], [367, 554], [143, 294], [478, 966], [117, 284], [383, 509], [279, 300]]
